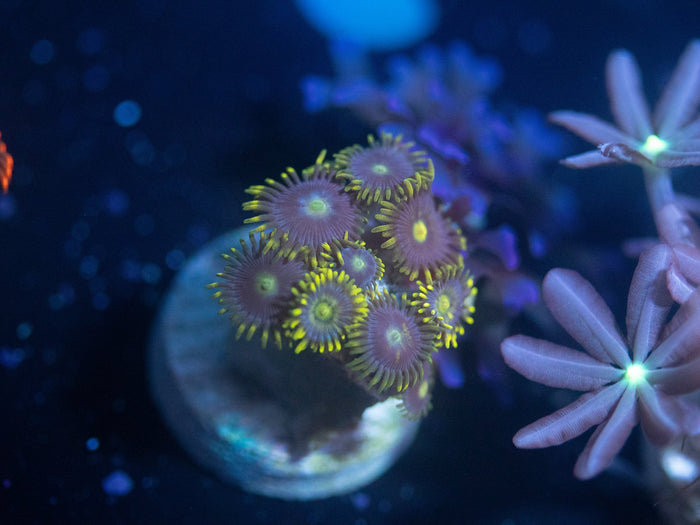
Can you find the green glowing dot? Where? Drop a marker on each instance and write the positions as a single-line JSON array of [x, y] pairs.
[[394, 336], [380, 169], [653, 146], [443, 304], [635, 373], [266, 283], [318, 207], [324, 310], [358, 263], [420, 231]]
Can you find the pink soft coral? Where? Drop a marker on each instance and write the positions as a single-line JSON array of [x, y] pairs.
[[639, 379]]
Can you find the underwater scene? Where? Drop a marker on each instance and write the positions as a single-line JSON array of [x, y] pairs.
[[350, 262]]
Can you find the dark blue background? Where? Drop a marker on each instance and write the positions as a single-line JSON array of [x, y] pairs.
[[100, 216]]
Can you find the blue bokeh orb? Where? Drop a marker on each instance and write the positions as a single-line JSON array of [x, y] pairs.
[[379, 25]]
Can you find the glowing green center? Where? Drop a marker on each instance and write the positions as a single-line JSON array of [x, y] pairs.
[[358, 263], [266, 283], [318, 207], [443, 303], [653, 146], [380, 169], [635, 373], [324, 310], [394, 336], [420, 231]]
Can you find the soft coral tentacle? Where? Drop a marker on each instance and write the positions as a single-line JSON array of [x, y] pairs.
[[648, 301], [590, 128], [658, 416], [609, 438], [556, 366], [674, 380], [627, 100], [571, 421], [681, 96], [680, 337], [589, 159], [667, 140], [584, 315]]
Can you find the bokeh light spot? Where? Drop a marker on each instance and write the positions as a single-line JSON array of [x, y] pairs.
[[118, 483], [42, 52], [24, 330], [372, 24], [127, 113], [90, 41]]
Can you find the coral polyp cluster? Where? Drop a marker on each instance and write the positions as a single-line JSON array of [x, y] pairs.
[[334, 263]]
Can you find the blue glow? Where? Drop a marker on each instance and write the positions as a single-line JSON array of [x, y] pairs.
[[118, 483], [116, 202], [89, 266], [92, 444], [63, 297], [127, 113], [373, 24], [80, 231], [42, 52], [11, 357], [360, 500], [8, 206], [24, 330], [679, 467], [90, 41], [450, 370], [140, 147]]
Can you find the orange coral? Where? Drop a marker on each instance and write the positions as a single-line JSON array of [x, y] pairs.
[[6, 165]]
